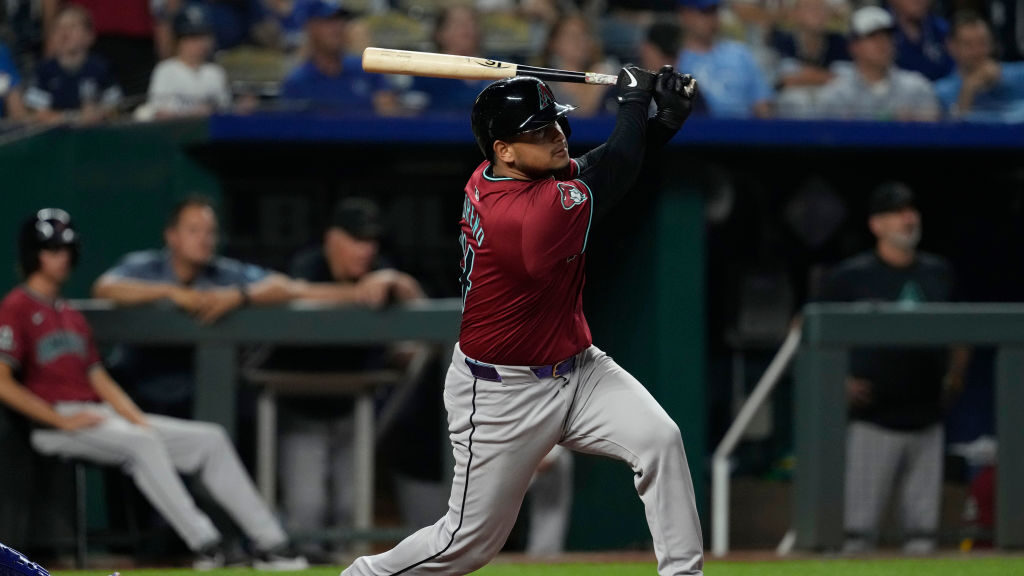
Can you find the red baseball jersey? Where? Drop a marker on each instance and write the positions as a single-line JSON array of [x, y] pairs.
[[50, 344], [523, 245]]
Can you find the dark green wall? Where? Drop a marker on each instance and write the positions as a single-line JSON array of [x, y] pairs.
[[645, 307], [117, 182]]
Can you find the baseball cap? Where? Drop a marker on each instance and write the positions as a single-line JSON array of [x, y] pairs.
[[192, 20], [891, 197], [870, 19], [325, 10], [360, 217], [698, 4]]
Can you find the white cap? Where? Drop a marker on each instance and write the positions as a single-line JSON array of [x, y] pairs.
[[870, 19]]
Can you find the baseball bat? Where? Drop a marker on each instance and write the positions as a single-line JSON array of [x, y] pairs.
[[386, 61]]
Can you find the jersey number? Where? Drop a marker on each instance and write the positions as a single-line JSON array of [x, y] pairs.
[[468, 255]]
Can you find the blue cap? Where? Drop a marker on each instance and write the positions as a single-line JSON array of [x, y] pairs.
[[193, 20], [325, 10], [698, 4]]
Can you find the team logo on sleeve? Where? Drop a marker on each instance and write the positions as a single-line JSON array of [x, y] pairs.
[[6, 339], [572, 196]]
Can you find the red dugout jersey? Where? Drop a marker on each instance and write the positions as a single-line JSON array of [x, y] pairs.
[[51, 346], [523, 245]]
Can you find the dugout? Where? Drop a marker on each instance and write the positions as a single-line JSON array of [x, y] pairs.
[[663, 290]]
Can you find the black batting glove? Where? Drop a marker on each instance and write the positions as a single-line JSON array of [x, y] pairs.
[[674, 94], [635, 84]]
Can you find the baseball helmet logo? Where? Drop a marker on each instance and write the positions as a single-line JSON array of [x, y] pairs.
[[572, 196]]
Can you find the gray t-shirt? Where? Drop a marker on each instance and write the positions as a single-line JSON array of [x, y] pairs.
[[161, 378], [903, 95]]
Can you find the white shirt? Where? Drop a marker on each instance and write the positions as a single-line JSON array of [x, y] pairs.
[[177, 88]]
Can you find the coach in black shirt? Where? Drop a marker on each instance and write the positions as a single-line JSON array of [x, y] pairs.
[[896, 396]]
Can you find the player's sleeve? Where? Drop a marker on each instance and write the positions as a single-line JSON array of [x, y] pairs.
[[556, 226], [610, 171], [13, 346]]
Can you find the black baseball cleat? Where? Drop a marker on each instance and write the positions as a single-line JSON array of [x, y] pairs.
[[279, 559]]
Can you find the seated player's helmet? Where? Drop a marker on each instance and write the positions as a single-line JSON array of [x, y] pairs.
[[47, 229], [512, 106], [14, 563]]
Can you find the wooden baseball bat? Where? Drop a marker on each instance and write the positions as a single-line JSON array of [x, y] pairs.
[[387, 61]]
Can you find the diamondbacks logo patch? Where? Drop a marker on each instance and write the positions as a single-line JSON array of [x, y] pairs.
[[544, 96], [6, 339], [572, 196]]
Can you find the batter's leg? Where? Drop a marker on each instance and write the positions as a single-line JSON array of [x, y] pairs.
[[499, 433], [204, 448], [141, 454], [614, 415]]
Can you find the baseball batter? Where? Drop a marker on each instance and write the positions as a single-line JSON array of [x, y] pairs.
[[525, 375]]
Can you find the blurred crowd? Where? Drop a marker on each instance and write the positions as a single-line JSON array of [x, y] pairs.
[[86, 61]]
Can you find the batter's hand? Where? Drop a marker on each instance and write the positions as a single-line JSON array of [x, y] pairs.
[[673, 93], [80, 420], [635, 84]]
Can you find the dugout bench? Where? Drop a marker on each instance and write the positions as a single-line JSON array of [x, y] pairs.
[[297, 324]]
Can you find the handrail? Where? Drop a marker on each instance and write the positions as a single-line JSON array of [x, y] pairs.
[[720, 460]]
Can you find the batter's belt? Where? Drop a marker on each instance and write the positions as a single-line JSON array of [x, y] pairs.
[[490, 373]]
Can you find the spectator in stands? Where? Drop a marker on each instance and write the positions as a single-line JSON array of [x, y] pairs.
[[188, 84], [74, 83], [920, 38], [572, 45], [661, 47], [729, 77], [83, 413], [331, 80], [126, 37], [12, 105], [1007, 20], [896, 397], [316, 433], [875, 89], [806, 54], [981, 88], [189, 274], [290, 17], [456, 31]]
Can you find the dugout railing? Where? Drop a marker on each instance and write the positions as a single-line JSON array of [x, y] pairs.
[[829, 332]]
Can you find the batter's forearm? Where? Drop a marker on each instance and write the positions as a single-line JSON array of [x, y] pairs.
[[612, 177], [128, 292]]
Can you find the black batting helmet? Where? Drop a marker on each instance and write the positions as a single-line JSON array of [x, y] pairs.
[[47, 229], [512, 106]]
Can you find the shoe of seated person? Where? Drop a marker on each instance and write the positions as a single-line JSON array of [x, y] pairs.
[[280, 559]]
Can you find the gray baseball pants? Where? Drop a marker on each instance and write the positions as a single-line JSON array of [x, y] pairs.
[[154, 457], [501, 430], [875, 458]]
